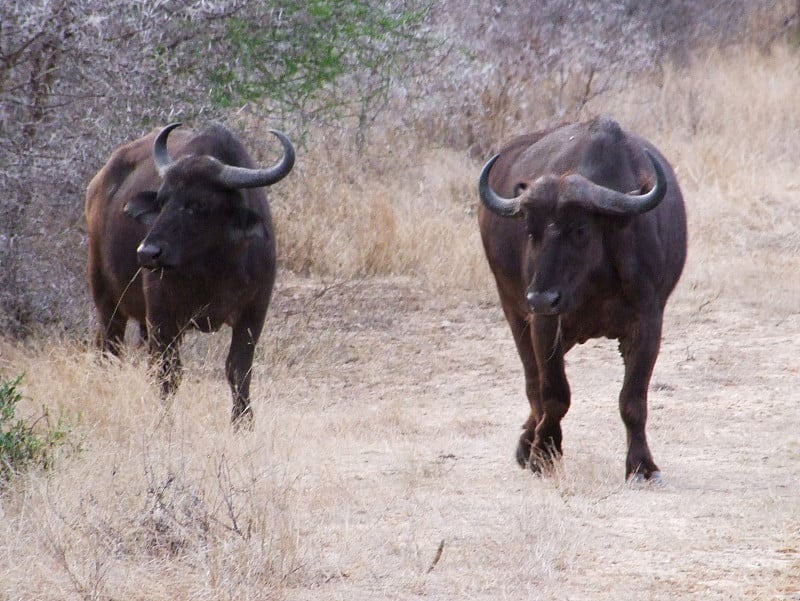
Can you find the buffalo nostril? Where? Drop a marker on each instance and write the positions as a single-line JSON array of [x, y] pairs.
[[147, 254], [547, 303]]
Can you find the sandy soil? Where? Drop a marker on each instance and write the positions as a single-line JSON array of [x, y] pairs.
[[381, 463], [408, 413]]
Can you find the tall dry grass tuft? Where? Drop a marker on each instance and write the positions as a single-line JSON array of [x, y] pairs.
[[396, 207], [159, 491]]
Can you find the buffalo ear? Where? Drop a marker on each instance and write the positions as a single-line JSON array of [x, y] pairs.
[[143, 208], [245, 223]]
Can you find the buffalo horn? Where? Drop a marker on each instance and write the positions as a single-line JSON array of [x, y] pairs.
[[578, 189], [504, 207], [160, 154], [242, 177]]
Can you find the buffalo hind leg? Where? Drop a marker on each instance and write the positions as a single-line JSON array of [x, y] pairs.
[[639, 354], [239, 369], [111, 330], [111, 321]]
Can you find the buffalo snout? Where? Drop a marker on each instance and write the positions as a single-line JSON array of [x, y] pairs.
[[545, 303], [150, 255]]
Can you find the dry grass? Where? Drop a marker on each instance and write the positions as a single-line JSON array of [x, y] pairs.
[[389, 397], [398, 208], [405, 206], [731, 135]]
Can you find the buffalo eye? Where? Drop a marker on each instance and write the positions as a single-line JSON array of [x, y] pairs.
[[579, 234], [199, 208]]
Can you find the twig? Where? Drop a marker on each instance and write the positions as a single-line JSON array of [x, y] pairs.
[[436, 557]]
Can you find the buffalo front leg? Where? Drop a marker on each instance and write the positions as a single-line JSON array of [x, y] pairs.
[[553, 394], [520, 328], [165, 358], [639, 352]]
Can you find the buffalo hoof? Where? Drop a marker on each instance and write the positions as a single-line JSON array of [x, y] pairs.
[[543, 462], [654, 479], [242, 420], [539, 461], [523, 452]]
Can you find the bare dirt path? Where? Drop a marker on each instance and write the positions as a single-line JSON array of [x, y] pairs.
[[381, 463], [409, 413]]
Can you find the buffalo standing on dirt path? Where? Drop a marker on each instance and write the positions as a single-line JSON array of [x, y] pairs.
[[195, 218], [584, 228]]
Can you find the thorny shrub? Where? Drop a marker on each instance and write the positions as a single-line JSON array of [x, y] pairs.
[[79, 77]]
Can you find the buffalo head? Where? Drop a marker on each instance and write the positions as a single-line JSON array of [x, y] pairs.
[[566, 217], [199, 207]]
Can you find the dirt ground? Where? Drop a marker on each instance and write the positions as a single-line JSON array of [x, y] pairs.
[[408, 413], [381, 463]]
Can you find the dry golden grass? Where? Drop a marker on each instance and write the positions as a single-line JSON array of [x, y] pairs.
[[388, 398], [400, 208], [731, 133]]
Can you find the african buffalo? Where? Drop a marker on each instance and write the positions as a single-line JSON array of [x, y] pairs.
[[184, 241], [584, 229]]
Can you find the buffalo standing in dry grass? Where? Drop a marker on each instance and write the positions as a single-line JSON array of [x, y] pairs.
[[584, 228], [199, 224]]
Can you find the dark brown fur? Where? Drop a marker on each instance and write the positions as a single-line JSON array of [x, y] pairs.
[[218, 260], [612, 275]]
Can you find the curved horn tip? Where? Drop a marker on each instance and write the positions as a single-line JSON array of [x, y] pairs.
[[160, 154], [168, 128], [660, 185], [660, 175], [288, 147], [487, 167], [576, 188], [504, 207], [483, 178], [244, 177]]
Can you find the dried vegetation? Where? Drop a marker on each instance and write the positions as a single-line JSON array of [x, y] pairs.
[[388, 393]]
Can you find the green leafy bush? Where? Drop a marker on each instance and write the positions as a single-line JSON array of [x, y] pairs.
[[24, 445], [319, 59]]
